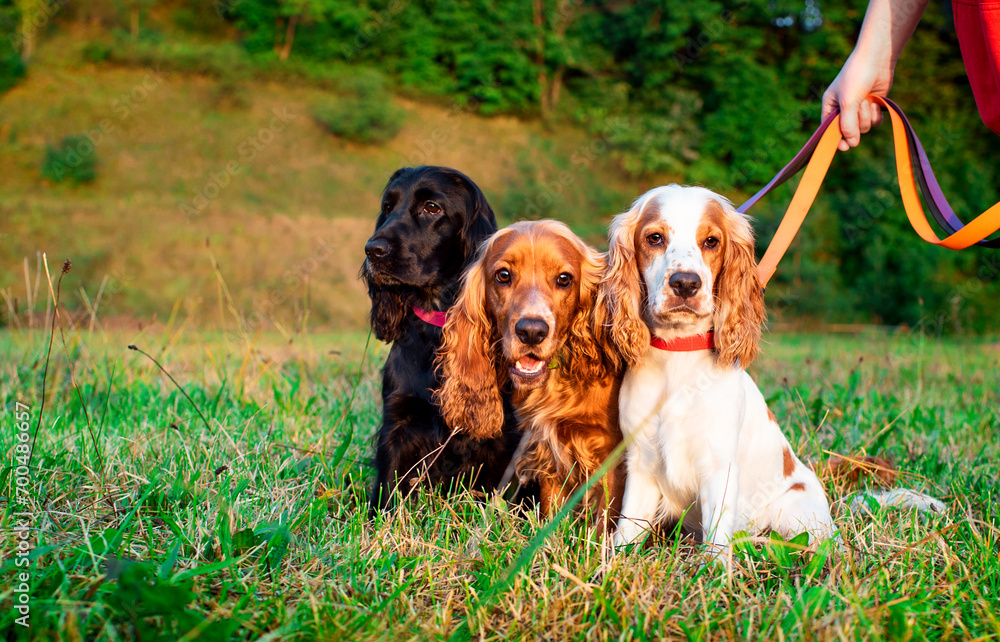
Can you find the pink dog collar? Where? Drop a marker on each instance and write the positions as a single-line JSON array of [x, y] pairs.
[[431, 317]]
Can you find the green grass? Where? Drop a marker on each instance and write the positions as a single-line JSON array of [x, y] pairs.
[[254, 526]]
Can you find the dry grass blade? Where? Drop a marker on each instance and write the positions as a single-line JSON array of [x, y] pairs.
[[48, 351]]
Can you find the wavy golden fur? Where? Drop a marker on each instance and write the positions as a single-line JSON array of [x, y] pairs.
[[623, 294], [739, 296], [568, 408]]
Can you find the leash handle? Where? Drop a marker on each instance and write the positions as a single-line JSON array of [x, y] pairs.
[[912, 168]]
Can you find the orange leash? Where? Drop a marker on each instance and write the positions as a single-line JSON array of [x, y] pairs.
[[802, 200], [819, 163]]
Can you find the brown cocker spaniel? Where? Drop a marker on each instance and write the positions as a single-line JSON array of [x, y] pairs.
[[525, 321]]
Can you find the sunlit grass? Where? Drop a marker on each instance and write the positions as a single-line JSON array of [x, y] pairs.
[[255, 525]]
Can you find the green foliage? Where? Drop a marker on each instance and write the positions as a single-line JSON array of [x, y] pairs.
[[227, 60], [11, 67], [653, 141], [73, 159], [202, 17], [531, 196], [106, 14], [367, 114], [96, 52], [149, 605], [471, 51]]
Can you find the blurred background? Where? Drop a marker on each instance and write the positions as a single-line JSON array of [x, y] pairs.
[[211, 160]]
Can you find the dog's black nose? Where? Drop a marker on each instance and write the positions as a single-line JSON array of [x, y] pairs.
[[377, 249], [684, 284], [531, 331]]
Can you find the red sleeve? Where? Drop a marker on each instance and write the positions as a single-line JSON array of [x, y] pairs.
[[978, 25]]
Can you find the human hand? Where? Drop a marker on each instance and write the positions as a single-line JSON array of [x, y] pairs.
[[861, 75]]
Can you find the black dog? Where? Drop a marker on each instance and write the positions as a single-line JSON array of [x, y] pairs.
[[432, 221]]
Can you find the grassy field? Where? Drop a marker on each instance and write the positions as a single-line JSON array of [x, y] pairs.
[[147, 521]]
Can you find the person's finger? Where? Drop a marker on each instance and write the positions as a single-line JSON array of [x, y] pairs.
[[876, 114], [843, 146], [829, 103], [864, 117], [849, 124]]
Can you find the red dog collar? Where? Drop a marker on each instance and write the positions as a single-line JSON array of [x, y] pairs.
[[685, 344], [431, 317]]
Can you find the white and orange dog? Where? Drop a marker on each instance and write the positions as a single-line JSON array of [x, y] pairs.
[[686, 311]]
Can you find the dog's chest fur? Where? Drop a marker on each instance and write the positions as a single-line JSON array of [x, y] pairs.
[[573, 421], [666, 402], [411, 360]]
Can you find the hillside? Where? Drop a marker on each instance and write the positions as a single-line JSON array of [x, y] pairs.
[[298, 202], [211, 123]]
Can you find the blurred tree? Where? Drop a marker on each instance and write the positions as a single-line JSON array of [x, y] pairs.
[[294, 11], [135, 10], [556, 49], [34, 15]]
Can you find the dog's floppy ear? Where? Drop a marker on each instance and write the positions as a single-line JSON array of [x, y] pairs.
[[739, 310], [480, 222], [586, 341], [389, 307], [620, 296], [470, 394]]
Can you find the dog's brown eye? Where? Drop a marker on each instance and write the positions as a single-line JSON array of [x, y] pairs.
[[431, 207], [655, 238], [503, 276], [711, 243], [564, 280]]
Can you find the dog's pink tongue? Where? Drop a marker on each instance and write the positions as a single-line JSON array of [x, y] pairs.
[[529, 364]]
